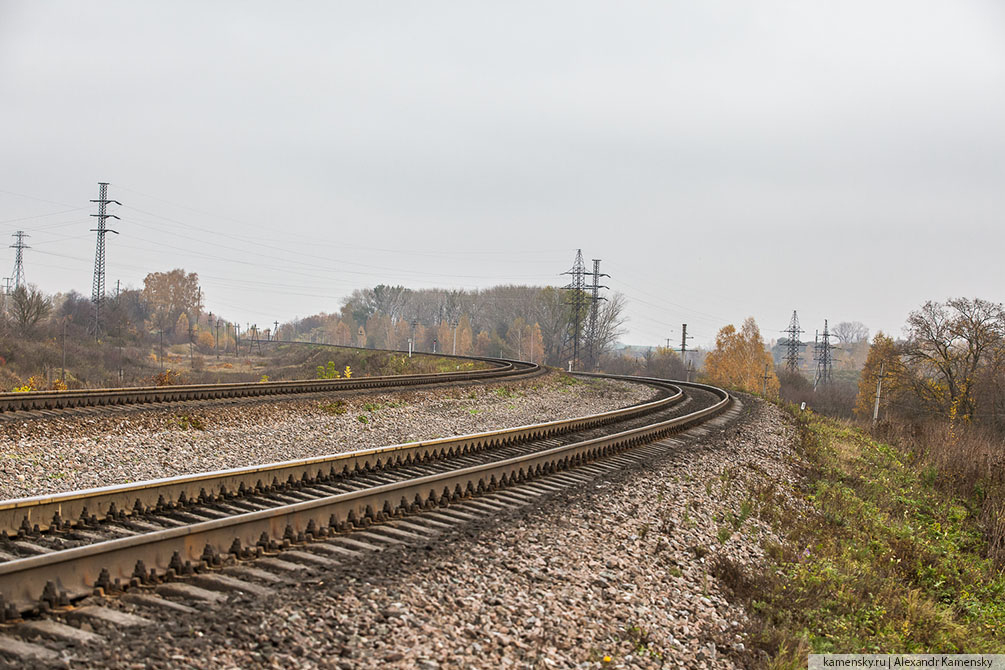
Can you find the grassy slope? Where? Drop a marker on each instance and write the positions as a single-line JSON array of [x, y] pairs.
[[874, 558], [90, 365]]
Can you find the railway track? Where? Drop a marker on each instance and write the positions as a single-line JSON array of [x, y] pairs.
[[318, 501], [48, 404]]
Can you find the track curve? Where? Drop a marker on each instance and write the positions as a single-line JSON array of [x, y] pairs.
[[324, 499], [12, 405]]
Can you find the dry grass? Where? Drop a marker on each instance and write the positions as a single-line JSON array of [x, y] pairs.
[[873, 556], [963, 459]]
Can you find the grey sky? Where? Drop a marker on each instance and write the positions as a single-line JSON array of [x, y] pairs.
[[724, 159]]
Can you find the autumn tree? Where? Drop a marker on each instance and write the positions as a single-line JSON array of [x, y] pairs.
[[884, 356], [516, 334], [483, 344], [444, 337], [664, 363], [169, 294], [380, 331], [739, 360], [181, 329], [421, 341], [402, 331], [465, 336], [535, 344], [343, 334], [206, 341], [948, 345]]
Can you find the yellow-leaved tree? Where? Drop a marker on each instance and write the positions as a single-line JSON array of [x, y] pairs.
[[884, 355], [444, 338], [739, 360], [465, 336]]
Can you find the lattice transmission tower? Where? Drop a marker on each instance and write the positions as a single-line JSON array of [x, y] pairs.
[[595, 299], [577, 298], [824, 357], [19, 246], [98, 285], [793, 344]]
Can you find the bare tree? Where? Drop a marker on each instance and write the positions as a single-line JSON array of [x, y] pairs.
[[948, 344], [849, 332], [610, 319], [28, 307]]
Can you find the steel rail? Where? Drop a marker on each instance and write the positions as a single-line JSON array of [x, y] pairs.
[[57, 400], [40, 513], [73, 573]]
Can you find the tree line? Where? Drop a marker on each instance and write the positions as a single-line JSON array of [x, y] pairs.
[[536, 323]]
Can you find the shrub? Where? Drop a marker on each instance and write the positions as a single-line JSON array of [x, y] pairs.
[[168, 377]]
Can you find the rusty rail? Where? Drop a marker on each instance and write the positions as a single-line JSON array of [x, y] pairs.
[[75, 572], [58, 400], [39, 513]]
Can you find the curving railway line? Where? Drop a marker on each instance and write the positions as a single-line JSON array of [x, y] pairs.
[[14, 406], [82, 539], [134, 538]]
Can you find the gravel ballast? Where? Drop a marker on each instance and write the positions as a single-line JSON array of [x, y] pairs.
[[49, 456], [619, 572]]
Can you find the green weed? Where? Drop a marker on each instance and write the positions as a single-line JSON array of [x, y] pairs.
[[879, 559]]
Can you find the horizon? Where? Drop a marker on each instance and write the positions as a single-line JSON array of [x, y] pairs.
[[723, 161]]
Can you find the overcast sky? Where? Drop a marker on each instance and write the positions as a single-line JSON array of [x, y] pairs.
[[723, 159]]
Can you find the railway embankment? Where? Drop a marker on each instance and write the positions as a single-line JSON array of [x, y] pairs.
[[620, 571], [876, 551]]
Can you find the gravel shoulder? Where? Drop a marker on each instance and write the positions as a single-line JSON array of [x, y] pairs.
[[49, 456], [617, 573]]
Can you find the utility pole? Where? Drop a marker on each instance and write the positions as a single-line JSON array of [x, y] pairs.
[[684, 337], [98, 285], [62, 374], [275, 330], [19, 246], [792, 344], [160, 352], [764, 384], [118, 288], [454, 350], [577, 298], [237, 339], [879, 392]]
